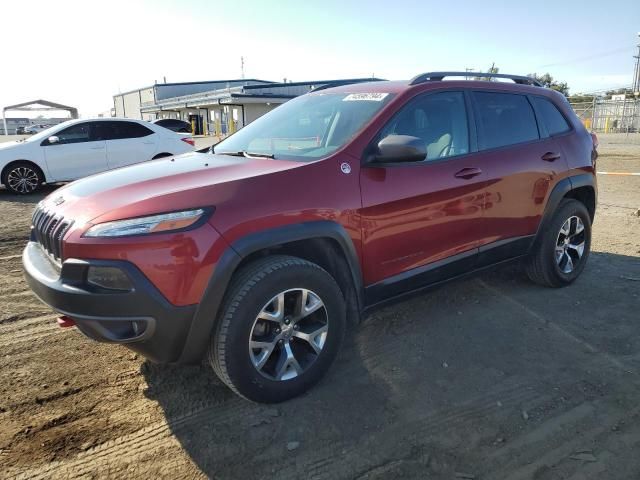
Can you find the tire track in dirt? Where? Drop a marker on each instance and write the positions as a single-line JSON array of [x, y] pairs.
[[554, 441], [25, 322], [32, 335], [321, 464], [145, 442]]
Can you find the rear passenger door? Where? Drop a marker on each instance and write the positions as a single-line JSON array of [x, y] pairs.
[[129, 143], [521, 162]]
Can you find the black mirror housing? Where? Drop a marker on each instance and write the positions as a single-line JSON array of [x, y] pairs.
[[400, 148]]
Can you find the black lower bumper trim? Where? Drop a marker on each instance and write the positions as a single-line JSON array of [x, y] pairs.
[[142, 318]]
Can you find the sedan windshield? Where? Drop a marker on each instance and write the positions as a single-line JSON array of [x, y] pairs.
[[306, 128]]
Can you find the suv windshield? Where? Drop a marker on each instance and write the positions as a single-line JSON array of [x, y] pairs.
[[306, 128]]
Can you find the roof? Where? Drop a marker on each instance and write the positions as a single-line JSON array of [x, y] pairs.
[[174, 84], [45, 103], [312, 82]]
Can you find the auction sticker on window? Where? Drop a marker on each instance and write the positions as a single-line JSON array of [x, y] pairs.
[[365, 97]]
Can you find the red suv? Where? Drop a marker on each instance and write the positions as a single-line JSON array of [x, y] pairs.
[[258, 254]]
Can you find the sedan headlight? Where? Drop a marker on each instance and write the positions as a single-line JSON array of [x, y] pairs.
[[165, 222]]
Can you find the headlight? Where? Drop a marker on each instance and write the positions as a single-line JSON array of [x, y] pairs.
[[165, 222]]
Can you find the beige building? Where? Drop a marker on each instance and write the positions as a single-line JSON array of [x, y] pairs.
[[218, 107]]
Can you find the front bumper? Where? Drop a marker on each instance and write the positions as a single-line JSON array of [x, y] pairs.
[[141, 318]]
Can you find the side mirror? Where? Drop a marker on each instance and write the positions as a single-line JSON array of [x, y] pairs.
[[53, 140], [400, 148]]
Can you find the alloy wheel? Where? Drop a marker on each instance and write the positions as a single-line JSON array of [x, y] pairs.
[[288, 334], [23, 180], [570, 244]]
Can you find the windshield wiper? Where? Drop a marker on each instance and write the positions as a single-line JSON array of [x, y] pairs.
[[246, 154]]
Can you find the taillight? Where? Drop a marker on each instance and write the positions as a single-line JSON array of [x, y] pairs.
[[189, 140]]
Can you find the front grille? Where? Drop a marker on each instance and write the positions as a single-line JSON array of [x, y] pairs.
[[48, 229]]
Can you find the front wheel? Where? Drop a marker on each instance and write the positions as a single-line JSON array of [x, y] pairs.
[[563, 248], [282, 324], [22, 178]]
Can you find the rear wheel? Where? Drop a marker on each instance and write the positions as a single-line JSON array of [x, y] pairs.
[[564, 246], [281, 327], [22, 178]]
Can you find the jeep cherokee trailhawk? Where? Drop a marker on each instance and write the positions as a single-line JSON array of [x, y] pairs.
[[258, 254]]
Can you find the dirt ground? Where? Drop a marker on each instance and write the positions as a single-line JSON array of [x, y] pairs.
[[487, 378]]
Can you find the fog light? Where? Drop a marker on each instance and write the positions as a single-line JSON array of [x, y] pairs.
[[110, 278]]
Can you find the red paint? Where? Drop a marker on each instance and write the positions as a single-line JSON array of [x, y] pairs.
[[66, 322], [399, 218]]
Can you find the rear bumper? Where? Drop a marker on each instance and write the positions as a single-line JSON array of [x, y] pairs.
[[141, 318]]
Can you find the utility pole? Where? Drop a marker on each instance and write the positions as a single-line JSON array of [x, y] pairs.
[[467, 69], [242, 67], [636, 72]]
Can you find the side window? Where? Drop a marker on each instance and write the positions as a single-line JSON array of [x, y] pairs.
[[439, 119], [551, 116], [78, 133], [123, 130], [504, 119]]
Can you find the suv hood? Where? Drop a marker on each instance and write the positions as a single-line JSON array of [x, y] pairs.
[[170, 184]]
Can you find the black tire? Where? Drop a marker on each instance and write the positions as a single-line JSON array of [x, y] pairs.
[[249, 292], [542, 266], [30, 171]]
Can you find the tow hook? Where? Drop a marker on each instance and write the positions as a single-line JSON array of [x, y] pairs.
[[66, 322]]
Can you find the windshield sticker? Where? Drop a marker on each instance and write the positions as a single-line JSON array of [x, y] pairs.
[[366, 97]]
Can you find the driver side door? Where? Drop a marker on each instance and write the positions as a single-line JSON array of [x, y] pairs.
[[422, 221], [76, 154]]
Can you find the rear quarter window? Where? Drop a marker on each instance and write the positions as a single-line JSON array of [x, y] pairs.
[[553, 120], [504, 119]]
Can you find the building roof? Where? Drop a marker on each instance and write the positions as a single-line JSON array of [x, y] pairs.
[[269, 92], [177, 84]]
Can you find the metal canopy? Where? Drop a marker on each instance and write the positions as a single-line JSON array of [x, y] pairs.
[[40, 104]]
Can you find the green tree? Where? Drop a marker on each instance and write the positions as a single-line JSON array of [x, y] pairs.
[[492, 69], [548, 81], [626, 91]]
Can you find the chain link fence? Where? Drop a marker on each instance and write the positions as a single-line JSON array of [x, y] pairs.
[[610, 116]]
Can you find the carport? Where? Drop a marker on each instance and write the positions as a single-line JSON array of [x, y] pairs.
[[38, 105]]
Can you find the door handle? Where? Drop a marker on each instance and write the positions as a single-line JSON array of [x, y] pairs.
[[468, 173], [149, 143], [97, 148], [550, 156]]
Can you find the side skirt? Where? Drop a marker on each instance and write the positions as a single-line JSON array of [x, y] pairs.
[[459, 266]]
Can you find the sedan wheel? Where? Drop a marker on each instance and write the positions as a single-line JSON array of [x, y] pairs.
[[23, 179]]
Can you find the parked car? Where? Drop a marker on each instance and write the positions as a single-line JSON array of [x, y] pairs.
[[79, 148], [31, 129], [20, 130], [174, 125], [258, 256]]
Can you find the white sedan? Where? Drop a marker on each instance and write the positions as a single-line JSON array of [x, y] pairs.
[[79, 148]]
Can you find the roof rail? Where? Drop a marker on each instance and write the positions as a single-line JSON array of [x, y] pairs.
[[438, 76], [340, 83]]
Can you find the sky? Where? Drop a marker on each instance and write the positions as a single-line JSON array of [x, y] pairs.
[[81, 53]]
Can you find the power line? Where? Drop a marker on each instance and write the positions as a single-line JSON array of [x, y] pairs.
[[590, 57]]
